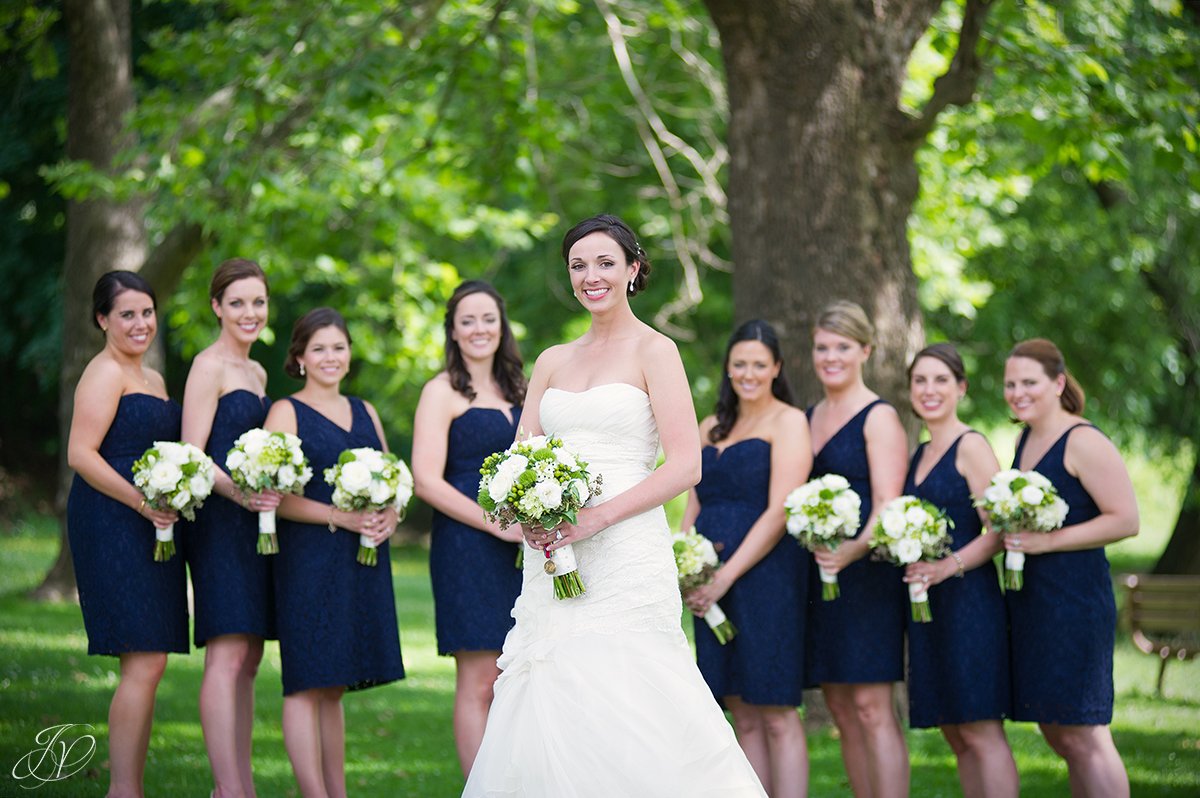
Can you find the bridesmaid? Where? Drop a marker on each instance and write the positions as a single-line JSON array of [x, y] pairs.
[[856, 642], [231, 583], [1063, 619], [958, 677], [133, 607], [756, 450], [336, 618], [466, 412]]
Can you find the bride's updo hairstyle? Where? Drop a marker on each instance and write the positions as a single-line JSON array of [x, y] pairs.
[[1051, 360], [727, 400], [618, 231], [304, 329]]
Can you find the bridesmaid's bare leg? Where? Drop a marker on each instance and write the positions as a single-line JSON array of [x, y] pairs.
[[788, 751], [752, 737], [887, 755], [985, 762], [332, 722], [1093, 763], [841, 702], [302, 739], [475, 675], [130, 717], [227, 710]]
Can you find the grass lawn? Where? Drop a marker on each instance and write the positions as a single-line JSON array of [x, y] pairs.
[[399, 737]]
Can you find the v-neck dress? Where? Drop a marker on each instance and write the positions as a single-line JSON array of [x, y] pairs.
[[858, 638], [957, 663], [1064, 618], [336, 618]]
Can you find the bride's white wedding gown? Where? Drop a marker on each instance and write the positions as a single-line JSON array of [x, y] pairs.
[[599, 694]]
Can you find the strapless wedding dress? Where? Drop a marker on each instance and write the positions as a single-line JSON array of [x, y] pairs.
[[599, 695]]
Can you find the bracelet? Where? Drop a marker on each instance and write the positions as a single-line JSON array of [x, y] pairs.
[[332, 526], [142, 506], [961, 571]]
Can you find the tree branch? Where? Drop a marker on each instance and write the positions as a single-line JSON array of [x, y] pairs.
[[957, 85], [166, 262]]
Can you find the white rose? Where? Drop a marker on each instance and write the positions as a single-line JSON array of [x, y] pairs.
[[997, 494], [835, 482], [893, 522], [235, 460], [565, 458], [549, 494], [164, 475], [917, 515], [582, 488], [403, 496], [285, 477], [795, 525], [199, 486], [536, 442], [499, 486], [846, 505], [1037, 480], [1031, 495], [355, 477], [255, 447], [513, 465], [908, 551], [380, 492]]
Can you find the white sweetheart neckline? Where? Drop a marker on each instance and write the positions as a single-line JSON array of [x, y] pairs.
[[597, 387]]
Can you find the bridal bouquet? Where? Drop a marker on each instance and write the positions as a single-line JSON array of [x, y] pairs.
[[823, 512], [173, 476], [261, 460], [539, 483], [1021, 500], [368, 479], [696, 560], [911, 529]]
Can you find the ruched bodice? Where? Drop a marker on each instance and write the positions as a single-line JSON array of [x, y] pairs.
[[610, 670]]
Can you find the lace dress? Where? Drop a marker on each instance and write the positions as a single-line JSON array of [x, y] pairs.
[[599, 695]]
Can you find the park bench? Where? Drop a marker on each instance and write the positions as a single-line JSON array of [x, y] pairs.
[[1164, 616]]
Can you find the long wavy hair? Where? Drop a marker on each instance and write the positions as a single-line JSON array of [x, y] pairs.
[[507, 367], [727, 400]]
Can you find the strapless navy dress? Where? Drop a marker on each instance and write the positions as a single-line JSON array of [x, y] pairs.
[[957, 663], [129, 601], [764, 663], [858, 638], [475, 576], [232, 584], [1064, 618], [336, 618]]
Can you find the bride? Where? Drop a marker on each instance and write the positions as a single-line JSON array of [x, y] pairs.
[[599, 694]]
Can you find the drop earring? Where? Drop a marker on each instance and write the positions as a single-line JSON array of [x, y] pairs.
[[631, 286], [301, 369]]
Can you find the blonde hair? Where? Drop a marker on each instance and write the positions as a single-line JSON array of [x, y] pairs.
[[847, 319]]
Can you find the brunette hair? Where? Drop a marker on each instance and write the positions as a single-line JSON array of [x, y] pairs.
[[304, 329], [618, 231], [847, 319], [947, 354], [507, 368], [230, 272], [1051, 359], [111, 285], [727, 400]]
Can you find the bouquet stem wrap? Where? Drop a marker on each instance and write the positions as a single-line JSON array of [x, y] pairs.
[[561, 564], [268, 543], [722, 627], [164, 543], [918, 599], [1014, 570], [366, 551], [829, 585]]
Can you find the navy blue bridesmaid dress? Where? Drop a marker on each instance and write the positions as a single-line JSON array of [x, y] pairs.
[[475, 576], [1064, 618], [858, 638], [232, 584], [336, 618], [957, 663], [764, 663], [129, 601]]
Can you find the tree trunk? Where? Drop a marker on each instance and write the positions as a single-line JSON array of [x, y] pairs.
[[821, 178], [1182, 554], [101, 234]]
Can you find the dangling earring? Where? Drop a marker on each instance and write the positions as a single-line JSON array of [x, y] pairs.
[[301, 369], [631, 286]]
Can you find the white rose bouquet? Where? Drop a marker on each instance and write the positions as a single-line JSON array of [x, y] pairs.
[[911, 529], [173, 476], [823, 512], [1021, 500], [368, 479], [540, 483], [696, 560], [262, 460]]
